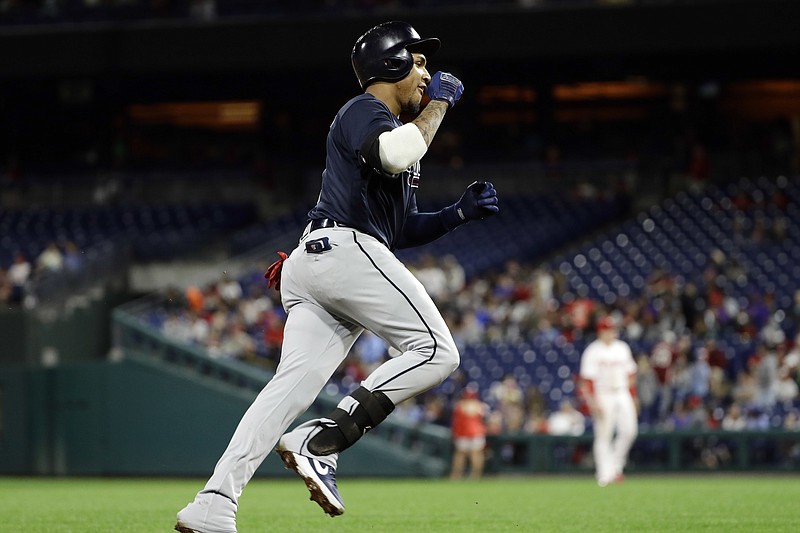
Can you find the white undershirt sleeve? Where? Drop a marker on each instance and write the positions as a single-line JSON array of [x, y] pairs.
[[401, 147]]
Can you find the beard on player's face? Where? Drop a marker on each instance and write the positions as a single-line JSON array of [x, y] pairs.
[[412, 104], [408, 88]]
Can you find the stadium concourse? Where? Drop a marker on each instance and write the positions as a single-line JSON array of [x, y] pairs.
[[705, 285], [50, 12]]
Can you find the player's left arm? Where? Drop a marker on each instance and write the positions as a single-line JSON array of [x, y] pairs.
[[478, 202], [587, 389]]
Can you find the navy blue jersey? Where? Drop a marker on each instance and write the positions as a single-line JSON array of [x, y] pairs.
[[354, 193]]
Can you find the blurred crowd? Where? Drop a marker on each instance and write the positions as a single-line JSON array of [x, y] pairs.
[[64, 259], [685, 379]]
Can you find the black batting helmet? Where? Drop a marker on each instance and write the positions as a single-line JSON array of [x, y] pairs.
[[384, 52]]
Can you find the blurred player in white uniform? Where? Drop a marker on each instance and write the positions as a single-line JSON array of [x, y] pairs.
[[608, 381]]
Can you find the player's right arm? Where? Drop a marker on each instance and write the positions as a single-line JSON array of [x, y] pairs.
[[430, 119], [588, 393], [588, 373], [394, 150]]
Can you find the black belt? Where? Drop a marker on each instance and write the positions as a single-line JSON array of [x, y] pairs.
[[319, 223]]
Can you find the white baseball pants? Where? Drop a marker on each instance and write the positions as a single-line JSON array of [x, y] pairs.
[[615, 429], [331, 297]]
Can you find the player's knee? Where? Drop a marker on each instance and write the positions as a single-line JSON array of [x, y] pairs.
[[449, 358]]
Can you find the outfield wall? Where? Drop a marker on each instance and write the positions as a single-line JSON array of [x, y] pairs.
[[142, 417], [139, 417]]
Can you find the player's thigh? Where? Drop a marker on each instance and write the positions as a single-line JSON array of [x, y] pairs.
[[389, 301], [628, 420], [605, 421], [315, 343]]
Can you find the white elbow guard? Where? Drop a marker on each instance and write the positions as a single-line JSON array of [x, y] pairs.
[[401, 147]]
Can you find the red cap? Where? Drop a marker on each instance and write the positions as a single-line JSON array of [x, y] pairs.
[[606, 323]]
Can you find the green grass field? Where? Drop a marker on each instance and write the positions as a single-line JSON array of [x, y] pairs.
[[715, 503]]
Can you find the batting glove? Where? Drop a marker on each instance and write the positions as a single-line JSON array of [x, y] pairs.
[[445, 86], [478, 202]]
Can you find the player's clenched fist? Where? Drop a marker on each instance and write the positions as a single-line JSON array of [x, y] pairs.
[[445, 86], [480, 200]]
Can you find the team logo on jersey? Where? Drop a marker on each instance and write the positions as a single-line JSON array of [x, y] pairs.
[[413, 175]]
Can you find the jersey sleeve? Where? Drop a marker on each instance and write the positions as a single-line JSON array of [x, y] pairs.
[[363, 122]]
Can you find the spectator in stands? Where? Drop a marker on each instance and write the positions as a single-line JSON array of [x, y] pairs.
[[566, 421], [699, 374], [253, 307], [176, 327], [237, 343], [661, 359], [700, 416], [195, 299], [719, 387], [454, 274], [18, 275], [766, 376], [199, 329], [791, 361], [50, 260], [435, 410], [494, 423], [506, 392], [432, 276], [73, 259], [791, 422], [692, 305], [543, 283], [757, 419], [647, 389], [716, 357], [734, 420], [535, 411], [680, 378], [745, 391], [409, 411], [535, 422], [769, 329], [273, 323], [229, 289], [680, 418], [787, 389], [468, 424]]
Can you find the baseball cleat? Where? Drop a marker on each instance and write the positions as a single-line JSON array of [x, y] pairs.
[[318, 477], [208, 513]]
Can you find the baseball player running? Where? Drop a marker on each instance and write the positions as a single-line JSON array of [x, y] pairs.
[[608, 378], [343, 278]]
